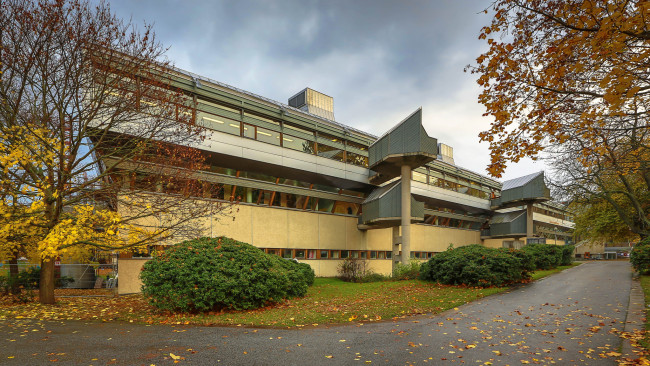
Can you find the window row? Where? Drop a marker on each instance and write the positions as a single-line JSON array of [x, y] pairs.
[[242, 194], [551, 213], [340, 254], [294, 138], [450, 222], [464, 187]]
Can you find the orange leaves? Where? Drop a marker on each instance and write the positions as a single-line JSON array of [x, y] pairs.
[[576, 64]]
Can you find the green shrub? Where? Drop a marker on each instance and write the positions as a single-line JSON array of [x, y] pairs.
[[567, 254], [221, 273], [640, 256], [409, 271], [476, 265], [547, 256]]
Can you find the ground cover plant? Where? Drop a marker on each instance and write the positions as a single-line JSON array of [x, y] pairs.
[[220, 273], [476, 265], [328, 301]]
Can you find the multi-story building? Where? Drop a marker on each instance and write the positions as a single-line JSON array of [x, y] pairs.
[[310, 188]]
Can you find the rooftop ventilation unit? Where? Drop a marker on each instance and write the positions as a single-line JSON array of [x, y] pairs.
[[446, 153], [313, 102]]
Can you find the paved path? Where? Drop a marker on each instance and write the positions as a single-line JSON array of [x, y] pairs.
[[564, 319]]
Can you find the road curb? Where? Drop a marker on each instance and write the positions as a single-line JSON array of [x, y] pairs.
[[635, 317]]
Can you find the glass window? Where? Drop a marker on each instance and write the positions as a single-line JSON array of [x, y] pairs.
[[268, 136], [218, 106], [419, 177], [324, 254], [336, 254], [330, 152], [219, 123], [357, 146], [300, 253], [354, 254], [356, 159], [363, 255], [298, 144], [389, 255], [373, 254], [325, 205], [311, 254], [286, 253], [289, 127], [345, 254], [249, 131]]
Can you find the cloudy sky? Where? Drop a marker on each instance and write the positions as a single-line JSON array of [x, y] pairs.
[[379, 60]]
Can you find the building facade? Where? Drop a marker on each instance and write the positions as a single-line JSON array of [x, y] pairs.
[[310, 188]]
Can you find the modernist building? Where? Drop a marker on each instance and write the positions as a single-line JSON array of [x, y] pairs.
[[310, 188]]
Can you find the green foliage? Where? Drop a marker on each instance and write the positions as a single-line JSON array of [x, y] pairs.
[[409, 271], [548, 256], [476, 265], [221, 273], [640, 256], [596, 220], [567, 255]]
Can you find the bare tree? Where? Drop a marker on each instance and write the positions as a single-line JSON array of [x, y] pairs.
[[88, 103]]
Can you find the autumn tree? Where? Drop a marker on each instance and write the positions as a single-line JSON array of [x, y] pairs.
[[572, 78], [94, 140]]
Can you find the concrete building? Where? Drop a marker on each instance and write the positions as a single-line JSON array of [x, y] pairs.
[[310, 188]]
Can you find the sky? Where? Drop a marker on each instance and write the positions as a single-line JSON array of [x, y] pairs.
[[379, 60]]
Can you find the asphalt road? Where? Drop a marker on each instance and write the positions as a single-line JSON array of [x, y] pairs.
[[564, 319]]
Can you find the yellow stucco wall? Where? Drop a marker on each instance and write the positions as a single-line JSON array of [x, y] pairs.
[[267, 227]]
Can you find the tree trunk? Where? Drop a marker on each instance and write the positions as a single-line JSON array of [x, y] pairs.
[[13, 275], [46, 286]]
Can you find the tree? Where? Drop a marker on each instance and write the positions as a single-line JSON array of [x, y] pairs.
[[572, 78], [596, 221], [91, 133]]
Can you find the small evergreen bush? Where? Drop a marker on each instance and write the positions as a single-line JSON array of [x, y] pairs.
[[221, 273], [476, 265], [640, 256], [547, 256], [567, 254]]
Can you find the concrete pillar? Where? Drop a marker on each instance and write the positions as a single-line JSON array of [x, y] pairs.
[[529, 221], [406, 214], [396, 243]]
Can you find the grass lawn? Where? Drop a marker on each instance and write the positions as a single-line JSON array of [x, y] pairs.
[[328, 301]]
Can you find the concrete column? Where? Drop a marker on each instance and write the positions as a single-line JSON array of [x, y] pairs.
[[406, 214], [396, 243], [529, 220]]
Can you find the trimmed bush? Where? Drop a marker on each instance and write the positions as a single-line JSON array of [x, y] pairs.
[[567, 254], [546, 256], [221, 273], [640, 256], [476, 265]]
